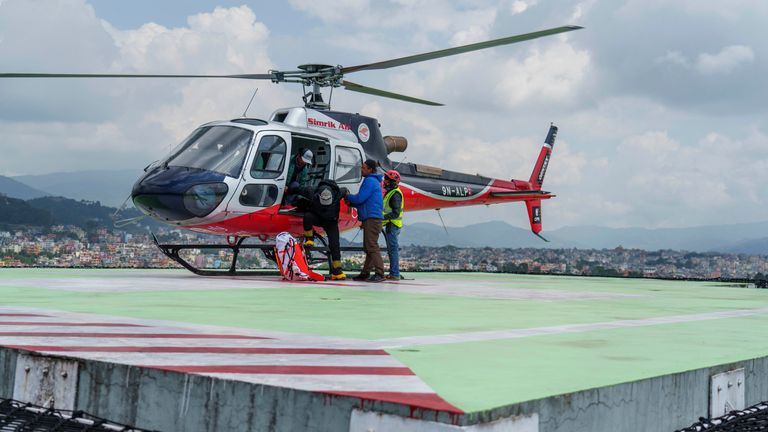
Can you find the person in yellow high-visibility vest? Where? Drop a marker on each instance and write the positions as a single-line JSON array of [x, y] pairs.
[[393, 221]]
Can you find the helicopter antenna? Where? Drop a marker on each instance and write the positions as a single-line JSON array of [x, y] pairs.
[[398, 164], [443, 222], [119, 223], [249, 102]]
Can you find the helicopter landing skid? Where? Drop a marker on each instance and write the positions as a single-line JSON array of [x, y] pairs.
[[315, 255], [172, 252]]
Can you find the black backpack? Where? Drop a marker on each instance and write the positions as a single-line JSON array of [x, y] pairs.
[[326, 200]]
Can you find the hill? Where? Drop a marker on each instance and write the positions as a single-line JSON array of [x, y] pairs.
[[47, 211], [110, 188], [746, 238], [16, 189], [16, 212], [67, 211], [493, 234]]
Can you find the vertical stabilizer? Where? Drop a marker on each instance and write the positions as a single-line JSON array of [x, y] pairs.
[[540, 169]]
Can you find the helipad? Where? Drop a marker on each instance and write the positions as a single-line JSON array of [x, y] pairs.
[[446, 351]]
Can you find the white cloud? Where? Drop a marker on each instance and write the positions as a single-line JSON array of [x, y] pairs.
[[723, 62], [652, 143], [730, 10], [726, 61], [581, 10], [675, 58], [519, 6], [334, 10], [554, 73], [677, 181], [223, 41], [136, 120]]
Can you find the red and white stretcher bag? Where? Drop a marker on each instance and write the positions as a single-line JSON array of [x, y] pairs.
[[291, 261]]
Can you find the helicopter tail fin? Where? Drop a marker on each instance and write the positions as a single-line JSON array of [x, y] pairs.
[[540, 169]]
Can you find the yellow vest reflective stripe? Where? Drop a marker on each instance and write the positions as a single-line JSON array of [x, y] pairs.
[[398, 221]]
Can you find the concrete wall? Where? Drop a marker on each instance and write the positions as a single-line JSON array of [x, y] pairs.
[[664, 403], [171, 401], [7, 372]]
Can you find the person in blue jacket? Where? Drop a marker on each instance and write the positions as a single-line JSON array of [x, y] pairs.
[[369, 204]]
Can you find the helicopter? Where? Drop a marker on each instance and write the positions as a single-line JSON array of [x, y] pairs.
[[228, 177]]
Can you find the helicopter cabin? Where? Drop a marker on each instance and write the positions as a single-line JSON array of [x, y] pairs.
[[277, 145], [230, 168]]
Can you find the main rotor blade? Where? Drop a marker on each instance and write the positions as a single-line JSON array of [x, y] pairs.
[[59, 75], [458, 50], [376, 92]]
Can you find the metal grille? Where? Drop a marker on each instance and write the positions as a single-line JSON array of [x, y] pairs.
[[752, 419], [19, 416]]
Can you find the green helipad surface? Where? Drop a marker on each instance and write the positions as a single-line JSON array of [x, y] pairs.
[[480, 341]]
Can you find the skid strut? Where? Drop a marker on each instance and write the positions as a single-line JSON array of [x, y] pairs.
[[235, 244]]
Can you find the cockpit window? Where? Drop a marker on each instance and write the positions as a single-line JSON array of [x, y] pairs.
[[214, 148], [270, 157]]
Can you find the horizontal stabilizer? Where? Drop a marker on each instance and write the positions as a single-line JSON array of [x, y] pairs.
[[521, 193]]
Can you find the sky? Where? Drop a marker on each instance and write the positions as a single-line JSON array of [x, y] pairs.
[[661, 105]]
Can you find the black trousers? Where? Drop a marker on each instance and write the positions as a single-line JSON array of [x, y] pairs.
[[331, 229]]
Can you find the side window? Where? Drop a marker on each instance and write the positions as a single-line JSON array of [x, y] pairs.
[[270, 158], [348, 163], [258, 195]]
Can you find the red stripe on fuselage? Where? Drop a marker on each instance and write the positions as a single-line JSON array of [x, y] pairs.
[[415, 200], [268, 222]]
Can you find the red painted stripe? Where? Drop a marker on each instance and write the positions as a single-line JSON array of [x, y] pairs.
[[21, 315], [289, 370], [197, 350], [67, 324], [132, 335], [418, 400]]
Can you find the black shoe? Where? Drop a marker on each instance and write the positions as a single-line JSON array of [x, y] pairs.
[[376, 278], [361, 277]]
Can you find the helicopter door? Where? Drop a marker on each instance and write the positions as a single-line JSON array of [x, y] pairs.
[[264, 178], [346, 168]]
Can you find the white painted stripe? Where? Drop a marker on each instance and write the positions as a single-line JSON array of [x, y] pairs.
[[562, 329], [370, 383], [303, 340], [63, 318], [116, 342], [448, 198], [178, 282], [189, 359], [467, 289]]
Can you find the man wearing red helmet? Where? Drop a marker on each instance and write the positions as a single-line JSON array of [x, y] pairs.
[[393, 221]]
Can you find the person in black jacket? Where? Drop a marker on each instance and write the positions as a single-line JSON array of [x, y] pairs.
[[323, 211]]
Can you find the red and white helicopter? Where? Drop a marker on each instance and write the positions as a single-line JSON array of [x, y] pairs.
[[228, 177]]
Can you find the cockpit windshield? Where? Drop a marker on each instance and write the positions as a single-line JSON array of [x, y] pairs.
[[215, 148]]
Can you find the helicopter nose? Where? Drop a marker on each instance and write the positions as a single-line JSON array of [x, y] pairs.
[[176, 194]]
